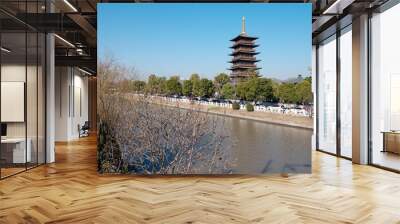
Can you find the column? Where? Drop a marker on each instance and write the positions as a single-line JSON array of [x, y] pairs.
[[360, 90]]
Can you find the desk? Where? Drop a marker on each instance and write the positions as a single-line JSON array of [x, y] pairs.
[[391, 141], [13, 150]]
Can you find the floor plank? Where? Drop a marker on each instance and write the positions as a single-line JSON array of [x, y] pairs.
[[71, 191]]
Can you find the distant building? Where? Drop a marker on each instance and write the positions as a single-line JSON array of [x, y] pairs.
[[244, 60]]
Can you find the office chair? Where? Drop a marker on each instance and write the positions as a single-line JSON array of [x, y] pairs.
[[84, 130]]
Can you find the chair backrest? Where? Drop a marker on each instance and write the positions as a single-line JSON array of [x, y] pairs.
[[86, 124]]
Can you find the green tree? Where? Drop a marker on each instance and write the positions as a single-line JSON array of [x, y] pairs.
[[220, 80], [228, 91], [251, 89], [205, 88], [187, 88], [152, 84], [156, 85], [275, 91], [195, 79], [287, 93], [241, 90], [265, 91], [162, 85], [173, 86], [137, 85], [256, 89], [303, 91]]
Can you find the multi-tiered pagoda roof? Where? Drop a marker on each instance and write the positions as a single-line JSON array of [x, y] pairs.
[[244, 60]]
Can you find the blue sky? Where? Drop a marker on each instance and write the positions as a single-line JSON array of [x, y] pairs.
[[181, 39]]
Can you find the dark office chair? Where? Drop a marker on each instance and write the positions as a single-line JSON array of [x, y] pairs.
[[84, 130]]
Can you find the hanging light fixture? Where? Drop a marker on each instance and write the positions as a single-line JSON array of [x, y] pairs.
[[64, 40], [70, 5], [5, 50]]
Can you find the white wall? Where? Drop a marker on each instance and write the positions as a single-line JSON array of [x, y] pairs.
[[71, 87], [13, 101], [62, 82], [12, 73], [33, 126], [79, 110]]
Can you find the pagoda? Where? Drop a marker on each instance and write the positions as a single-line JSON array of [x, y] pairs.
[[244, 60]]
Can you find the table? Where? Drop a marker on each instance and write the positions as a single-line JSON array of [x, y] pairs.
[[391, 141]]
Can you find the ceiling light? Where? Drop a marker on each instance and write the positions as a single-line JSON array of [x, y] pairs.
[[79, 51], [84, 71], [70, 5], [330, 8], [337, 7], [5, 50], [65, 41]]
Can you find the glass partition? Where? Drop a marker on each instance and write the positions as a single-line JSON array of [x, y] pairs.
[[31, 99], [22, 88], [41, 88], [14, 153], [327, 95], [346, 92], [385, 89]]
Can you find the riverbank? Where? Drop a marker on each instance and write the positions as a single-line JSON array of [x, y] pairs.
[[267, 117]]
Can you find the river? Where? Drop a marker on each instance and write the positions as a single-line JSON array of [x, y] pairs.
[[267, 148]]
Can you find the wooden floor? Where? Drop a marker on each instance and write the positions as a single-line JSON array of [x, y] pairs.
[[387, 159], [5, 172], [70, 191]]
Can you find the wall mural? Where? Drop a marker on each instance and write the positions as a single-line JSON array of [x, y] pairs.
[[204, 88]]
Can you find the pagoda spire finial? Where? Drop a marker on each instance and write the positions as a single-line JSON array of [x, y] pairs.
[[243, 25]]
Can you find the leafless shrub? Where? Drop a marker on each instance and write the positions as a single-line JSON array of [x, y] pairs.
[[138, 136]]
